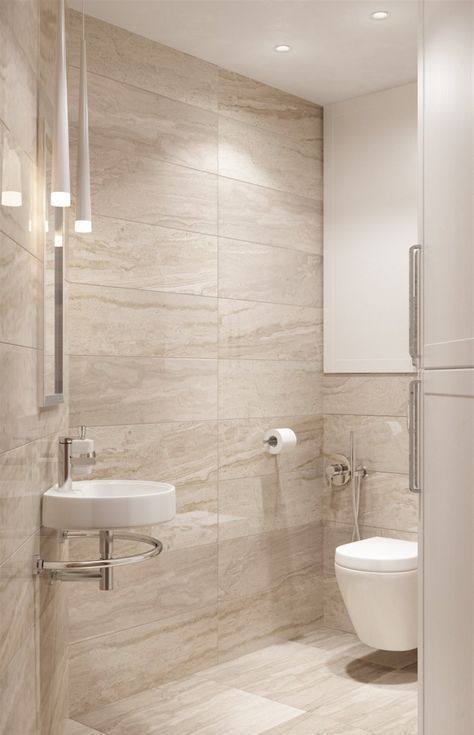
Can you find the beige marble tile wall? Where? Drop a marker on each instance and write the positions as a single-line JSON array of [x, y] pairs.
[[375, 407], [33, 617], [195, 325]]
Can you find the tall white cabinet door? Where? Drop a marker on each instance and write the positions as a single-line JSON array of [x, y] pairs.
[[448, 533], [447, 122]]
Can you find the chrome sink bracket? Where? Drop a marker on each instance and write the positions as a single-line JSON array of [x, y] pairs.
[[98, 569]]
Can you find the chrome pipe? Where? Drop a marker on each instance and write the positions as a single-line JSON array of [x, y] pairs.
[[106, 542], [97, 564]]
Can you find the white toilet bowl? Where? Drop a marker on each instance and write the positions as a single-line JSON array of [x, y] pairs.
[[377, 578]]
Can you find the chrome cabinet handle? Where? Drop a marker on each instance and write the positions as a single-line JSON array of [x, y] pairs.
[[414, 304], [414, 435]]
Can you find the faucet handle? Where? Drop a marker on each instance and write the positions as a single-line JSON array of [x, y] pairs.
[[82, 432]]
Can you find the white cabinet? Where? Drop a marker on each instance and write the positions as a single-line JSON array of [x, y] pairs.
[[447, 113], [370, 222], [448, 532]]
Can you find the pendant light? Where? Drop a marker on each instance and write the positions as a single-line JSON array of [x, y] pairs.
[[83, 221], [60, 185]]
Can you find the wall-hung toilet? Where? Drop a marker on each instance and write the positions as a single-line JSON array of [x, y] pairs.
[[377, 578]]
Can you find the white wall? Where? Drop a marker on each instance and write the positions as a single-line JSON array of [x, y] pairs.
[[370, 213]]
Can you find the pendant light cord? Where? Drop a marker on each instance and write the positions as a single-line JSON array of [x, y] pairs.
[[83, 19]]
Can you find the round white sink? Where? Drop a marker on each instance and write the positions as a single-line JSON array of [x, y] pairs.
[[103, 504]]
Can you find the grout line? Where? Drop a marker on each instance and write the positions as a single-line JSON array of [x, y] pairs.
[[217, 357], [216, 111], [218, 392], [214, 172], [188, 294], [20, 245], [24, 347], [31, 441], [311, 364], [308, 253], [155, 621], [194, 422]]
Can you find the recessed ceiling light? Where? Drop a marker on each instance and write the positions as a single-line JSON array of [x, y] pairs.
[[380, 15], [282, 48]]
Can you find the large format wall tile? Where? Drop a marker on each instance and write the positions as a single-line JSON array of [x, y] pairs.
[[248, 154], [252, 505], [145, 365], [119, 321], [265, 107], [270, 217], [243, 454], [125, 57], [172, 584], [136, 255], [382, 441], [253, 388], [251, 564], [156, 192], [253, 330], [274, 275], [18, 589], [17, 89], [149, 123], [134, 390], [252, 622], [108, 668], [182, 453], [20, 713], [367, 395], [385, 501], [54, 640], [31, 702], [25, 473], [22, 20], [17, 222], [22, 420], [20, 281]]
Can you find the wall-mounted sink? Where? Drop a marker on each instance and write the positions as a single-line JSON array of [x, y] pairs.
[[106, 504]]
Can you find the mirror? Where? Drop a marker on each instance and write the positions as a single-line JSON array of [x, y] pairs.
[[52, 233]]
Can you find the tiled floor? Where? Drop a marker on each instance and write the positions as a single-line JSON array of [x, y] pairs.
[[325, 683]]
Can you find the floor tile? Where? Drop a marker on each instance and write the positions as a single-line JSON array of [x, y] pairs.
[[313, 724], [191, 706], [324, 682], [76, 728]]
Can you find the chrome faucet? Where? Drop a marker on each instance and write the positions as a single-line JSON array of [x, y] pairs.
[[69, 455]]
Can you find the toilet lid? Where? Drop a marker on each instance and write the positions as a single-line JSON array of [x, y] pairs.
[[378, 554]]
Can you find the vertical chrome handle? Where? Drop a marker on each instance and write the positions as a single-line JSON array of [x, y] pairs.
[[414, 435], [414, 304]]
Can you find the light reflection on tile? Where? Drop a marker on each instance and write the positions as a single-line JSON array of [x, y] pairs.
[[209, 707]]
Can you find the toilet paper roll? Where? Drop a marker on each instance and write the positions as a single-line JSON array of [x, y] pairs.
[[280, 440]]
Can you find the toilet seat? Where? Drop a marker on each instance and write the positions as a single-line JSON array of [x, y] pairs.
[[378, 554]]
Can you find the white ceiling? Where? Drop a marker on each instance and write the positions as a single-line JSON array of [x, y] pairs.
[[338, 51]]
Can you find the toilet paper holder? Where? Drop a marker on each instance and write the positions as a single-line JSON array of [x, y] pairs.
[[272, 441], [280, 440]]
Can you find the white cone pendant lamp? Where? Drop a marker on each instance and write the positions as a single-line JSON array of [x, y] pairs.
[[60, 183], [83, 221]]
